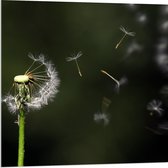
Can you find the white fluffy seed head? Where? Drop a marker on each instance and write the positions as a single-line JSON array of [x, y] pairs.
[[46, 86], [48, 89]]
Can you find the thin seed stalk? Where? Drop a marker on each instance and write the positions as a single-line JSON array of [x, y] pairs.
[[78, 68], [21, 138], [120, 41]]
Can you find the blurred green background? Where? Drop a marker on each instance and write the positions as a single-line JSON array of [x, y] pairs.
[[64, 132]]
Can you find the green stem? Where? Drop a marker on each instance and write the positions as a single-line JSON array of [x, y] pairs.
[[21, 138]]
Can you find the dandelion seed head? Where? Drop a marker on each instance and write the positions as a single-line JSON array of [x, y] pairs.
[[49, 88], [45, 83], [155, 106], [126, 32]]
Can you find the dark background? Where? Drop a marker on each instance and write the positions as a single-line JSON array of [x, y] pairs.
[[64, 132]]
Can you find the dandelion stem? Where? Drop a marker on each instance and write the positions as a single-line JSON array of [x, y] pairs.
[[21, 151], [78, 67], [120, 41]]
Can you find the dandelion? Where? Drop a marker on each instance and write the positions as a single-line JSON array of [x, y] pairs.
[[126, 33], [33, 90], [39, 87], [155, 106], [75, 57]]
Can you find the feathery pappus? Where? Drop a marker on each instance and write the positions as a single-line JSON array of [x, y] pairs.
[[35, 88]]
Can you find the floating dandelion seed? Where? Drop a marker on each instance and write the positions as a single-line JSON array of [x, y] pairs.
[[98, 117], [122, 81], [75, 57], [125, 34], [115, 80], [155, 106], [35, 88]]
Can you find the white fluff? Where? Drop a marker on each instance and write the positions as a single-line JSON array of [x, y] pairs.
[[49, 88], [45, 92]]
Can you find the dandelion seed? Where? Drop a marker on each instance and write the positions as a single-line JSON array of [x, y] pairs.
[[98, 117], [75, 57], [122, 81], [155, 106], [126, 33], [115, 80], [45, 84]]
